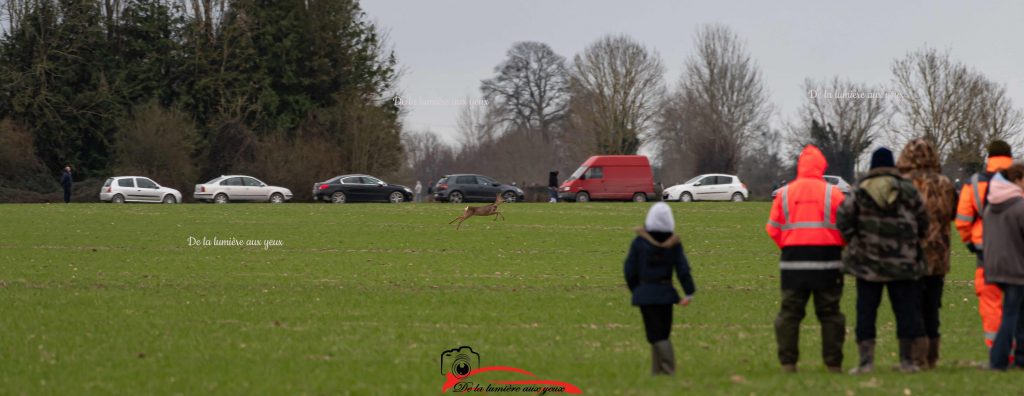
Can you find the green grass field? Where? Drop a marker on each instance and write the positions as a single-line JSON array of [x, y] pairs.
[[363, 298]]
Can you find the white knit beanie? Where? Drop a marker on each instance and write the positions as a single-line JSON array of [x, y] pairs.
[[659, 219]]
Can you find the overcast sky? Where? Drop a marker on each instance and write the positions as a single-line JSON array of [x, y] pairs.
[[447, 47]]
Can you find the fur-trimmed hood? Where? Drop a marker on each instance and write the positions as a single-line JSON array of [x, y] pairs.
[[670, 242]]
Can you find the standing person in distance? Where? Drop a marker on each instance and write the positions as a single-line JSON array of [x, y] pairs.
[[418, 190], [884, 223], [553, 186], [653, 255], [802, 224], [919, 163], [1004, 262], [970, 224], [65, 183]]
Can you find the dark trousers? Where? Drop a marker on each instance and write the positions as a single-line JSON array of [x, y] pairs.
[[657, 321], [833, 324], [1010, 329], [931, 302], [905, 297], [67, 195]]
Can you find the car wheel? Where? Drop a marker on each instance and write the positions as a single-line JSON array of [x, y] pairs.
[[455, 197], [737, 197], [118, 199], [582, 197], [396, 197], [276, 198], [220, 198], [169, 199], [639, 197], [508, 196], [338, 197], [686, 197]]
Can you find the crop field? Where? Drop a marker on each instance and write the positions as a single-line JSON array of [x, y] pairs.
[[364, 298]]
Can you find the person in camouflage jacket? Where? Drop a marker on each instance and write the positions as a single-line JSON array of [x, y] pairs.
[[883, 225], [919, 163]]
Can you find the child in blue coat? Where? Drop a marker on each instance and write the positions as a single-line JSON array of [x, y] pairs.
[[654, 254]]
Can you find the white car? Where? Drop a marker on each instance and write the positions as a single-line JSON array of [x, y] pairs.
[[121, 189], [710, 187], [837, 181], [229, 188]]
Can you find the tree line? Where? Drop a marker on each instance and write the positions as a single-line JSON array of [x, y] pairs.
[[296, 91], [548, 112], [185, 90]]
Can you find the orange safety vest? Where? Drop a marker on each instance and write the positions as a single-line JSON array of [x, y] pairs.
[[972, 201], [804, 211]]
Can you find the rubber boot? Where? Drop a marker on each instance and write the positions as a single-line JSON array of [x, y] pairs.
[[919, 352], [666, 357], [906, 358], [866, 365], [933, 352]]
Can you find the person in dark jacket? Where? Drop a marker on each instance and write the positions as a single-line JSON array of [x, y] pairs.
[[654, 254], [1004, 261], [65, 182], [553, 186], [884, 224]]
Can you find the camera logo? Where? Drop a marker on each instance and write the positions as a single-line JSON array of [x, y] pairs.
[[459, 361]]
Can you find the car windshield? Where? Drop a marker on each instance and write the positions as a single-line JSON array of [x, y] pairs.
[[579, 172]]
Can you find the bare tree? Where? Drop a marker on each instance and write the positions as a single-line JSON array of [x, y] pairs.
[[427, 156], [851, 116], [720, 103], [616, 84], [530, 88], [477, 125], [956, 108]]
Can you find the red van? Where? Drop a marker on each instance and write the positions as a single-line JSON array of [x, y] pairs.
[[610, 177]]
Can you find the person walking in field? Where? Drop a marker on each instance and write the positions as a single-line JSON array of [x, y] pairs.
[[884, 224], [553, 186], [919, 163], [970, 224], [802, 224], [65, 183], [653, 256], [418, 190], [1004, 261]]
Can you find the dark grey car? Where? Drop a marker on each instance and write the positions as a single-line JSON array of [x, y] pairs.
[[474, 188]]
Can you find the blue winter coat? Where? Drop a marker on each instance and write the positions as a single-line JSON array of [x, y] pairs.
[[649, 267]]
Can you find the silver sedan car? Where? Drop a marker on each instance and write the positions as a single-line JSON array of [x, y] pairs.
[[121, 189], [231, 188]]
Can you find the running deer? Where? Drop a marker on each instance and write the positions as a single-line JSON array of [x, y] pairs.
[[487, 210]]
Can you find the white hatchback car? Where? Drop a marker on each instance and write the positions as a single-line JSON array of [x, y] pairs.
[[121, 189], [229, 188], [837, 181], [710, 187]]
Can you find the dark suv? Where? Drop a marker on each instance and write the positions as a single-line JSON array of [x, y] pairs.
[[469, 188]]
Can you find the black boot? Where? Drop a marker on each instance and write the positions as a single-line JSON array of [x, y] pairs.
[[867, 357], [664, 358]]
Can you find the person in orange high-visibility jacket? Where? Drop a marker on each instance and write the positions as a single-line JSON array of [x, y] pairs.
[[803, 225], [973, 198]]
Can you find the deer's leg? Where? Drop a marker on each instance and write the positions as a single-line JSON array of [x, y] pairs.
[[502, 216], [456, 219]]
